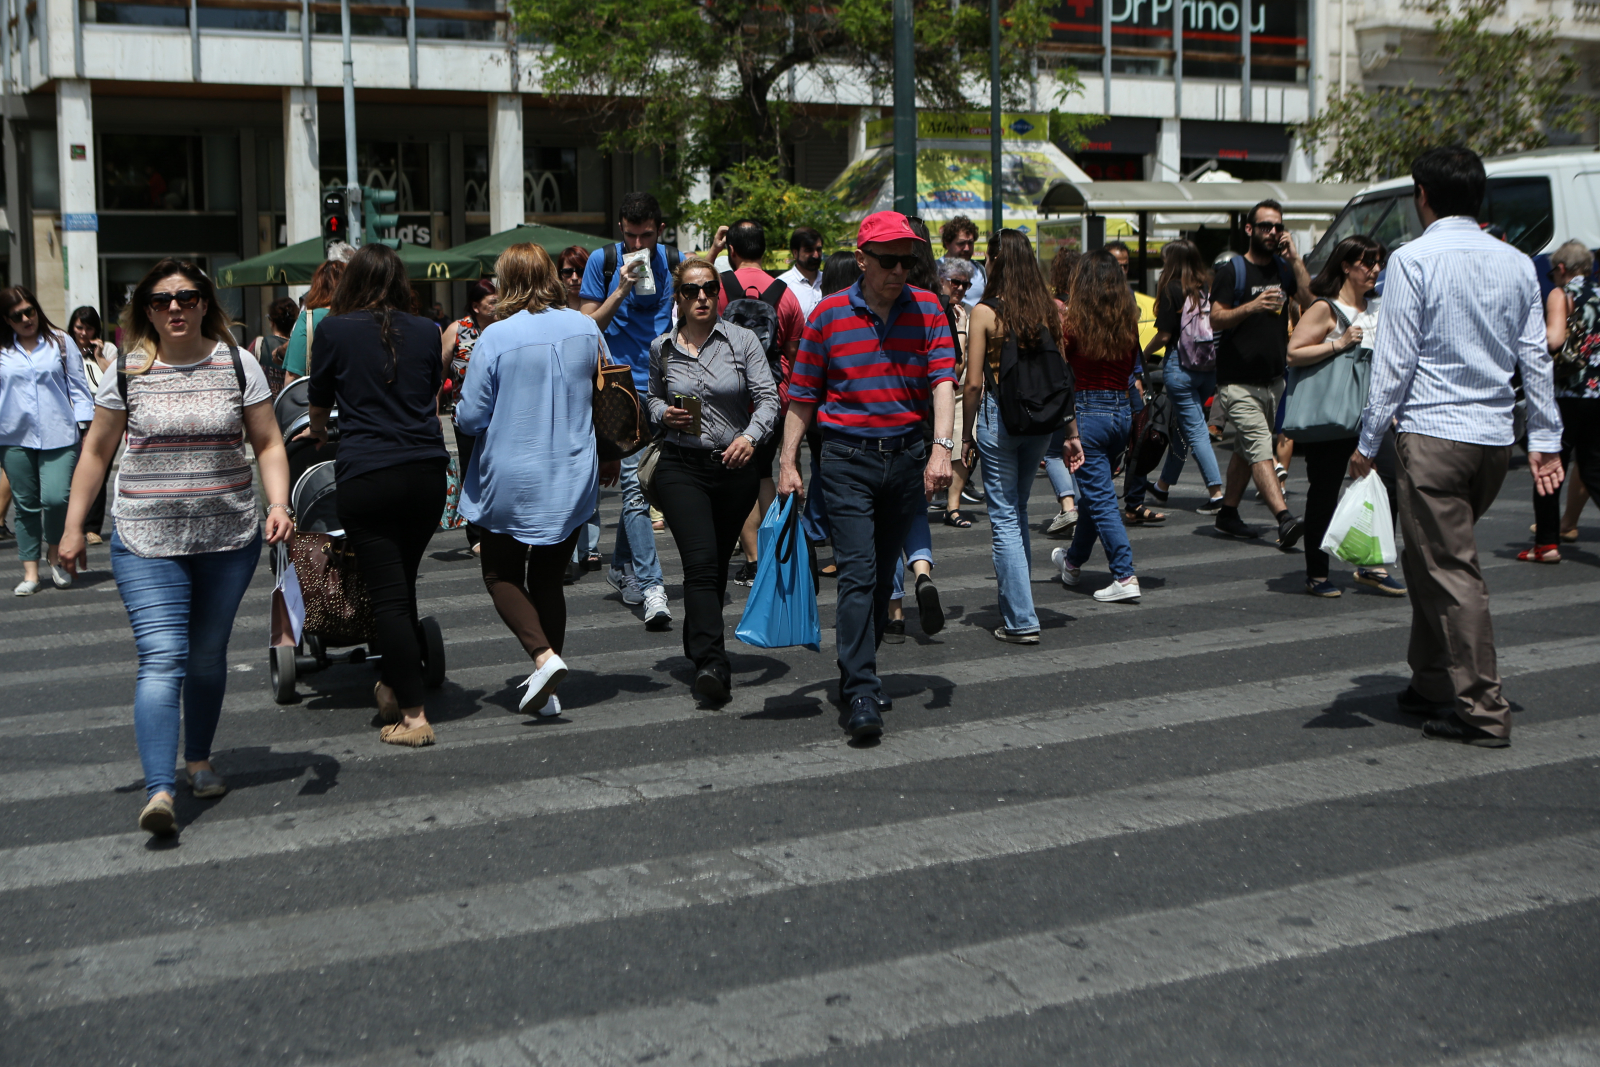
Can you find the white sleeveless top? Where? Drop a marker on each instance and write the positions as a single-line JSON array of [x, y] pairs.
[[1367, 320]]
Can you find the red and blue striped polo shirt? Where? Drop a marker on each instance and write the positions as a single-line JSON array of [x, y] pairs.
[[868, 377]]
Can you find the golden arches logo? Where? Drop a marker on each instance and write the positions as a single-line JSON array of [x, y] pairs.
[[438, 270]]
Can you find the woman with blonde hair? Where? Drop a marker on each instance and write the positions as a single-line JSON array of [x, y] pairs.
[[319, 298], [1101, 331], [535, 474], [187, 532]]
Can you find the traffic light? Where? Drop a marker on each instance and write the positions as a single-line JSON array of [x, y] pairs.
[[372, 223], [335, 217]]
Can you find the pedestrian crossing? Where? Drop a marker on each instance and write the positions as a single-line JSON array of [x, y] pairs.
[[1050, 844]]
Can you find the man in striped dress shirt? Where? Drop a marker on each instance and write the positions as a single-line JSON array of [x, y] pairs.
[[872, 359], [1461, 315]]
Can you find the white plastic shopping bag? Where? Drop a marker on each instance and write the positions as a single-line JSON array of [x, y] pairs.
[[288, 604], [1362, 530]]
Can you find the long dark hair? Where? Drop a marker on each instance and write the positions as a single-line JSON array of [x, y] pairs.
[[21, 294], [925, 275], [1062, 270], [376, 281], [89, 317], [1330, 279], [839, 272], [1017, 287], [139, 333], [1101, 315], [1182, 264]]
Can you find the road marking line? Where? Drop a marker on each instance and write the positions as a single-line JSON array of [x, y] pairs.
[[58, 863], [862, 1006], [1568, 1050], [251, 949]]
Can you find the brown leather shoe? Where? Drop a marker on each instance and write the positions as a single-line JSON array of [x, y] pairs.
[[401, 734]]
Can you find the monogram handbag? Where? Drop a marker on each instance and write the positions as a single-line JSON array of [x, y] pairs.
[[621, 425], [336, 605]]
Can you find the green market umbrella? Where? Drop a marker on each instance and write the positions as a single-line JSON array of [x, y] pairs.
[[295, 264], [550, 238]]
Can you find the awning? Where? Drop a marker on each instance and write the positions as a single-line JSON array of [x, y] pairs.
[[552, 239], [295, 264], [1199, 198]]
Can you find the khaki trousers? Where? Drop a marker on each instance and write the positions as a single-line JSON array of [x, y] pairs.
[[1444, 486]]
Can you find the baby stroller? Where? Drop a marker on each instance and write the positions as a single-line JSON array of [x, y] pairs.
[[337, 613], [293, 412]]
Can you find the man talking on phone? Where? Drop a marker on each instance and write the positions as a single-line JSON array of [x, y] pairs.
[[1250, 312]]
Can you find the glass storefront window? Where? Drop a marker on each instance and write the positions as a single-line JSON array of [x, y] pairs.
[[1141, 37], [107, 13], [397, 165], [549, 180], [146, 172]]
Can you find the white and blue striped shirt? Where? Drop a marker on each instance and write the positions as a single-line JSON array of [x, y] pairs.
[[1461, 313]]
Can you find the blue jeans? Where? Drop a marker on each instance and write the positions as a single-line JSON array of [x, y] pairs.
[[918, 546], [1188, 390], [589, 537], [1103, 424], [182, 610], [1055, 467], [635, 551], [872, 499], [814, 520], [1010, 465]]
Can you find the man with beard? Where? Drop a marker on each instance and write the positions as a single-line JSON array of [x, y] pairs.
[[804, 277], [1249, 312]]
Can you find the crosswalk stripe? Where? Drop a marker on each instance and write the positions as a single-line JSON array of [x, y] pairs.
[[862, 1006], [1568, 1050], [243, 950], [58, 863]]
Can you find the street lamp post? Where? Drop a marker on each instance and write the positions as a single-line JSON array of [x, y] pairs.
[[352, 187], [905, 111]]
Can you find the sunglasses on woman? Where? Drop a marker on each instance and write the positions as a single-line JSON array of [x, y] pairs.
[[1369, 260], [569, 272], [188, 300], [888, 262], [21, 313], [691, 291]]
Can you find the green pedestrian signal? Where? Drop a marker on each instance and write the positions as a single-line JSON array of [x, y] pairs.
[[374, 223]]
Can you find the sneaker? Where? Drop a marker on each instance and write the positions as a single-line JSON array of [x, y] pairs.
[[6, 534], [1159, 494], [929, 610], [711, 685], [541, 684], [657, 616], [1119, 589], [627, 585], [1282, 472], [27, 588], [158, 817], [969, 497], [1070, 575], [1234, 526], [1387, 584], [60, 576], [894, 632], [206, 784], [1323, 587], [746, 574], [1289, 531], [1064, 525], [1210, 507], [1002, 634], [552, 707]]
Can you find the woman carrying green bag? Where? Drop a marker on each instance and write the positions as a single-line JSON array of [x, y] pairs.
[[1330, 364]]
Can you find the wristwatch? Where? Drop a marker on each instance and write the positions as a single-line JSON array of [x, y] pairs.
[[948, 444]]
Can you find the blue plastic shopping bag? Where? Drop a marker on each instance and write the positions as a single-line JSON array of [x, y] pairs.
[[782, 608]]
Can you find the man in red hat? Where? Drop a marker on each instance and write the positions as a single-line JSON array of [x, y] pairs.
[[872, 360]]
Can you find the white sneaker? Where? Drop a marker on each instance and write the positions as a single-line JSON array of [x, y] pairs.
[[657, 616], [27, 588], [1125, 589], [1070, 575], [552, 707], [60, 576], [542, 683]]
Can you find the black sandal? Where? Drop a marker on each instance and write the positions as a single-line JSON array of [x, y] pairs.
[[953, 517], [1142, 516]]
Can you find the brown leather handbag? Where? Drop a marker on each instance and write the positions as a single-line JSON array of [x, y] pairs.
[[337, 607], [621, 425]]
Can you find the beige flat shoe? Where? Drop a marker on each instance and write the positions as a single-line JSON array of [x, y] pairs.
[[159, 818], [414, 736], [388, 710]]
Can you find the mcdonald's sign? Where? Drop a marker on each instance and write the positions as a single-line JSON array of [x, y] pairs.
[[439, 271]]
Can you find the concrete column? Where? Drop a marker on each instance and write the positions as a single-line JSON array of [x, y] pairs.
[[302, 179], [80, 238], [1169, 151], [699, 189], [505, 162]]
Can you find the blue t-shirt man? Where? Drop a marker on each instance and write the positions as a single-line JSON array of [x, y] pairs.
[[639, 319]]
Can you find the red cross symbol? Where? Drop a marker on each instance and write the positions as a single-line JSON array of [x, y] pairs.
[[1079, 7]]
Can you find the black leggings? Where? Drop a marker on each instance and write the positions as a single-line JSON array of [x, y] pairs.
[[389, 516], [1326, 463], [1580, 439]]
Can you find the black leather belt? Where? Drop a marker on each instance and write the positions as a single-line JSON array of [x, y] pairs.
[[874, 444], [693, 455]]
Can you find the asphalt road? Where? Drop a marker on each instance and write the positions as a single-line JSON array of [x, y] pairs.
[[1193, 830]]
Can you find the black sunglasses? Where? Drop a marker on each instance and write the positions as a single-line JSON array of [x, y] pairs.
[[1269, 226], [566, 271], [964, 283], [188, 300], [21, 313], [1368, 260], [689, 290], [888, 262]]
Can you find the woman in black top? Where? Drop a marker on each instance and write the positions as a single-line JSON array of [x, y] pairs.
[[380, 364]]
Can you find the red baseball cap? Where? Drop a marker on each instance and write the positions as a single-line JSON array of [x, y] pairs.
[[885, 226]]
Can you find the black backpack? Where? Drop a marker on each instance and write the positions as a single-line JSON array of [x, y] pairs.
[[759, 315], [1034, 390]]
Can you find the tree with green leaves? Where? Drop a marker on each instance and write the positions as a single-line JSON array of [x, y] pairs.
[[1497, 93], [693, 78], [753, 189]]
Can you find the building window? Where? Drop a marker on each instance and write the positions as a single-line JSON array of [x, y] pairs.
[[145, 172], [1141, 37], [398, 165]]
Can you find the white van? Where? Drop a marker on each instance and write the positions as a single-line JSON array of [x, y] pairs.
[[1540, 199]]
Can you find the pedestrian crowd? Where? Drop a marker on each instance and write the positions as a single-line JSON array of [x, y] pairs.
[[920, 385]]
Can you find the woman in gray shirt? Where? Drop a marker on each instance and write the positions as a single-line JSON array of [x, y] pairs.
[[711, 388]]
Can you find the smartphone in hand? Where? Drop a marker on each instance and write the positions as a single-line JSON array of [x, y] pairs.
[[691, 404]]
